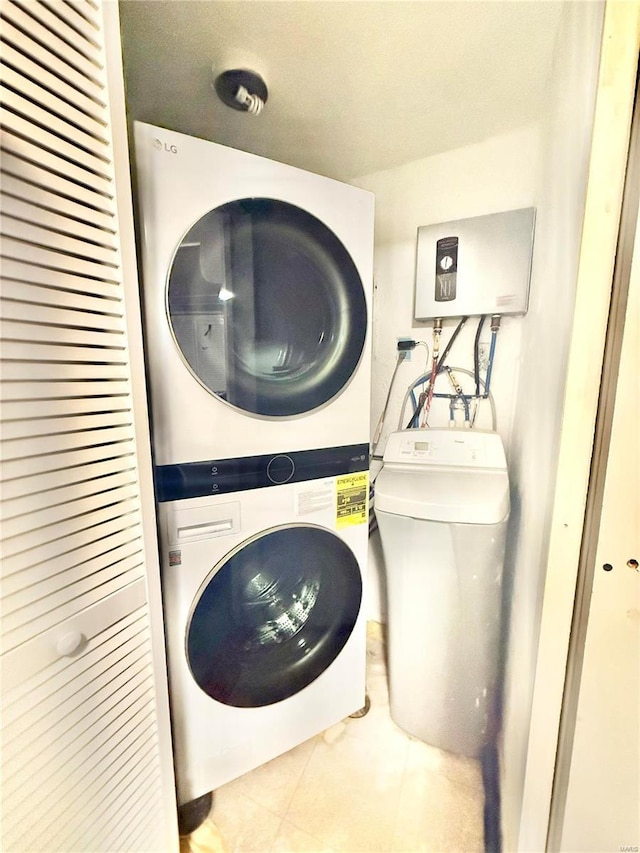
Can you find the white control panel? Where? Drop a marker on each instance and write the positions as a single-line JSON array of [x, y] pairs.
[[445, 447]]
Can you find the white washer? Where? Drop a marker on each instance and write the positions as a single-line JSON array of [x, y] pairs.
[[266, 632], [257, 296]]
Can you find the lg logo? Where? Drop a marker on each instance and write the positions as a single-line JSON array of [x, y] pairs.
[[162, 146]]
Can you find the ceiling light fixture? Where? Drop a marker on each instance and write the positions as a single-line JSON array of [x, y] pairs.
[[242, 89]]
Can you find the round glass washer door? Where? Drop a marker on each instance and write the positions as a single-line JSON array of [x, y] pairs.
[[274, 615], [267, 307]]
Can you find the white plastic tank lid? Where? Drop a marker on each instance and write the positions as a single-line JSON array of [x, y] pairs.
[[444, 475], [456, 448]]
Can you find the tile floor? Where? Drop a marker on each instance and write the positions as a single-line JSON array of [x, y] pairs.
[[360, 787]]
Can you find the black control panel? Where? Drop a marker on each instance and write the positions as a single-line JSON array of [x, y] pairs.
[[222, 476], [446, 269]]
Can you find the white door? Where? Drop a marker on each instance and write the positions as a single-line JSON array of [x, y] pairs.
[[86, 749], [602, 809]]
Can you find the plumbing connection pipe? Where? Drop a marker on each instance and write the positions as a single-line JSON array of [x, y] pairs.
[[495, 327]]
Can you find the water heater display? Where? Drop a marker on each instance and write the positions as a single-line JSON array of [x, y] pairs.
[[475, 266], [446, 269]]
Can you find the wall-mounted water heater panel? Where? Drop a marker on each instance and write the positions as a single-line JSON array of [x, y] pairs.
[[475, 266]]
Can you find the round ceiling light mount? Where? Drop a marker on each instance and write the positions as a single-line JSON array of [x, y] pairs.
[[242, 89]]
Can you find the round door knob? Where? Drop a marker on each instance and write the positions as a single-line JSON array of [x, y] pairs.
[[70, 643]]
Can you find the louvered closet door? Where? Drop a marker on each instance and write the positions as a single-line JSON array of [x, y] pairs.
[[81, 760]]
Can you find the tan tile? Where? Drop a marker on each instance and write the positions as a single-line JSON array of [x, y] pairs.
[[349, 792], [375, 642], [377, 684], [293, 840], [437, 814], [458, 768], [245, 826], [272, 785], [378, 690], [205, 839], [376, 632], [362, 786], [377, 726], [335, 733], [377, 722]]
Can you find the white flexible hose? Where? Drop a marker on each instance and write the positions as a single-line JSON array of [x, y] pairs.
[[378, 432], [494, 420]]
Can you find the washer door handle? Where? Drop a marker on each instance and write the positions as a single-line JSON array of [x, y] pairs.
[[208, 528]]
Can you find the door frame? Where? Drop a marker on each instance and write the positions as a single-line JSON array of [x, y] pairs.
[[610, 391], [606, 177]]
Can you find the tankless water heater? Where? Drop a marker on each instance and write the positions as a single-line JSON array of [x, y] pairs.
[[475, 266]]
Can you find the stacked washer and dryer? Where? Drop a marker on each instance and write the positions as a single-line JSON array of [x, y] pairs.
[[257, 297]]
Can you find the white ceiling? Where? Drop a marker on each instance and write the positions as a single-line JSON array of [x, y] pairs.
[[354, 86]]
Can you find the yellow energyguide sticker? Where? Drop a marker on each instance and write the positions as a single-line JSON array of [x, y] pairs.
[[351, 499]]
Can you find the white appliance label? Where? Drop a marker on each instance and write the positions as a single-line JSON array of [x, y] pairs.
[[315, 496]]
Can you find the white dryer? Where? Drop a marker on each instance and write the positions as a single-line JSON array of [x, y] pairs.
[[257, 296], [263, 592]]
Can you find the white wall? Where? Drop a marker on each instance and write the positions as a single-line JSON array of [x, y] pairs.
[[497, 174], [500, 173], [545, 342]]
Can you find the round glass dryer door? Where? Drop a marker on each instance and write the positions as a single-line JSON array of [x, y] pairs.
[[267, 307], [273, 616]]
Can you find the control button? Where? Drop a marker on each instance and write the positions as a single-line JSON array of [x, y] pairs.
[[280, 469]]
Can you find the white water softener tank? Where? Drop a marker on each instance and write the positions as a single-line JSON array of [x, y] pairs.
[[442, 504]]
